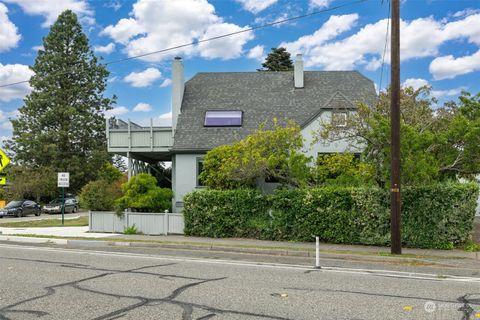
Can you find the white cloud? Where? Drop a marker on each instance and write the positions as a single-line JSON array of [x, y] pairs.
[[255, 6], [36, 48], [421, 37], [448, 67], [465, 12], [156, 25], [11, 73], [415, 83], [144, 78], [117, 111], [167, 115], [319, 3], [123, 30], [105, 49], [142, 107], [166, 83], [447, 93], [9, 36], [225, 48], [165, 119], [51, 9], [334, 26], [7, 125], [5, 118], [115, 5], [257, 52]]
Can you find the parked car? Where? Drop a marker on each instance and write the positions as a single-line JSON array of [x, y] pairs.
[[55, 206], [21, 208]]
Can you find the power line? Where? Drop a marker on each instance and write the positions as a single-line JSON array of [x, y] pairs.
[[218, 37], [385, 47]]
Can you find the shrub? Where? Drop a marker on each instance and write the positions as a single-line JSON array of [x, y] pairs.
[[98, 196], [130, 230], [229, 213], [437, 216], [142, 193]]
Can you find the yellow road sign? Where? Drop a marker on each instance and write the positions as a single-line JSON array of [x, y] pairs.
[[3, 180], [4, 160]]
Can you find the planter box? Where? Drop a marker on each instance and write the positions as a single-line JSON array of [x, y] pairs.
[[145, 222]]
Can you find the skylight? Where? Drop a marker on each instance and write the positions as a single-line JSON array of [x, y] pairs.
[[223, 119]]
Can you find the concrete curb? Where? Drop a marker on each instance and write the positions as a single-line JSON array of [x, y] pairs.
[[33, 240], [205, 247]]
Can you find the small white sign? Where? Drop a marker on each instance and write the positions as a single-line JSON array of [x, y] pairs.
[[63, 180]]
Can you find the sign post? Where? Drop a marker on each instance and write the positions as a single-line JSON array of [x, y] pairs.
[[63, 181]]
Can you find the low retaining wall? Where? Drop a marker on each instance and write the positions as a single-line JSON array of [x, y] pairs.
[[145, 222]]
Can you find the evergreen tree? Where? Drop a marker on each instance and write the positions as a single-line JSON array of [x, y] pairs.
[[61, 125], [277, 60]]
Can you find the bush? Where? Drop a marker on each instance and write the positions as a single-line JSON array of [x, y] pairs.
[[141, 193], [98, 196], [437, 216], [130, 230], [229, 213]]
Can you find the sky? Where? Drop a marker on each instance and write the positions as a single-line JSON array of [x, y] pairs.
[[440, 44]]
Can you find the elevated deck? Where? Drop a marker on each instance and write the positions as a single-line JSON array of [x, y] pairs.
[[149, 144]]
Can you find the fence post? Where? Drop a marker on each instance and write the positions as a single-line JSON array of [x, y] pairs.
[[165, 222], [90, 220]]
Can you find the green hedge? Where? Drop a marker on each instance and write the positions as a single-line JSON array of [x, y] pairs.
[[219, 214], [438, 216]]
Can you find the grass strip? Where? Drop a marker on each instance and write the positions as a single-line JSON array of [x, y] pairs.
[[45, 223]]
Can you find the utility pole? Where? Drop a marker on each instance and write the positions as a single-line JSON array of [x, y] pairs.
[[395, 214]]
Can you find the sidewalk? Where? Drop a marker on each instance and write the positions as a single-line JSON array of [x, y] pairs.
[[80, 235]]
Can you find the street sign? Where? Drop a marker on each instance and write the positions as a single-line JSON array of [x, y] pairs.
[[3, 180], [63, 180], [4, 160]]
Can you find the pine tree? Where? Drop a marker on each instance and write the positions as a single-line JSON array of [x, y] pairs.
[[277, 60], [61, 125]]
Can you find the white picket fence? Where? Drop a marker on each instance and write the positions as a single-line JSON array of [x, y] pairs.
[[145, 222]]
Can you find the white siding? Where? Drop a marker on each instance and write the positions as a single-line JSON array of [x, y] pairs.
[[184, 177], [310, 132]]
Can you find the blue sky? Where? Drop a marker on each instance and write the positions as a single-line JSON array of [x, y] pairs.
[[440, 43]]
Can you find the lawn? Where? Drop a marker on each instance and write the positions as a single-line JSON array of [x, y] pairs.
[[78, 222]]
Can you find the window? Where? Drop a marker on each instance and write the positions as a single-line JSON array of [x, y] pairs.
[[199, 171], [339, 119], [223, 119]]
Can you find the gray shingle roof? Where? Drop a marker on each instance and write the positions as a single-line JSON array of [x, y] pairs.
[[262, 96]]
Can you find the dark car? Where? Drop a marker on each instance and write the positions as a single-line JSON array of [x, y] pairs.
[[55, 206], [21, 208]]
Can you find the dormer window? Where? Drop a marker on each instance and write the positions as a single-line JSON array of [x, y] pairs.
[[223, 119]]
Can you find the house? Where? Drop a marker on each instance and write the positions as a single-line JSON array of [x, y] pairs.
[[212, 109]]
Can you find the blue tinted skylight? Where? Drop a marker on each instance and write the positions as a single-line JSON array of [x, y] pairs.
[[223, 119]]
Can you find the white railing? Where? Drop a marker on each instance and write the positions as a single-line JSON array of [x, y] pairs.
[[130, 137], [145, 222]]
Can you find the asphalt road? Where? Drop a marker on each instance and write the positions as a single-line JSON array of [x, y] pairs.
[[43, 216], [58, 283]]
